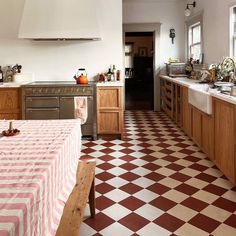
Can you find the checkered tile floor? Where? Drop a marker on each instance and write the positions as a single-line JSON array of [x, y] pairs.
[[157, 183]]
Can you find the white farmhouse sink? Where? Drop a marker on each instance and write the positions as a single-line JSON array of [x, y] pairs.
[[200, 98]]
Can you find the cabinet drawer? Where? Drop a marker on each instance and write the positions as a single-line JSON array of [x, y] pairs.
[[41, 102], [42, 113]]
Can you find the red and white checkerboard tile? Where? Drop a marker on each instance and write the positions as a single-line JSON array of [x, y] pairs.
[[157, 182]]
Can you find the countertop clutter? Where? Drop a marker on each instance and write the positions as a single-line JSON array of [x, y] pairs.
[[188, 83], [55, 100], [19, 84]]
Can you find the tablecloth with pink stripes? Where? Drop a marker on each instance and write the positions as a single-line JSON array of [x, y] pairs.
[[37, 174]]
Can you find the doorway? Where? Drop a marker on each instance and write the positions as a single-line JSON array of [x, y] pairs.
[[139, 74]]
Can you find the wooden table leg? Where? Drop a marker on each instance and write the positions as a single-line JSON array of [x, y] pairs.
[[92, 204], [74, 209]]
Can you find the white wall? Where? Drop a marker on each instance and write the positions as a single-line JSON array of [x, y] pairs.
[[167, 12], [215, 27], [60, 60]]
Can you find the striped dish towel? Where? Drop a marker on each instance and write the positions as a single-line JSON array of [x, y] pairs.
[[80, 109]]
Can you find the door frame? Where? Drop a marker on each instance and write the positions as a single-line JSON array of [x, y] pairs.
[[155, 28]]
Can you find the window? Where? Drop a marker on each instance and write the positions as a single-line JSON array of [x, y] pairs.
[[195, 41], [233, 31], [129, 47], [195, 38]]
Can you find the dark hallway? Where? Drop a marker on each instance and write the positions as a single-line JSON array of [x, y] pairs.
[[139, 71]]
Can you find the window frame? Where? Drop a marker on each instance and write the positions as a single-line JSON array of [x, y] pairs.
[[232, 30], [190, 24], [192, 44]]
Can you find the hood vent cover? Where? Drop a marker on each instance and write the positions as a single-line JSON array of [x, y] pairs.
[[60, 20]]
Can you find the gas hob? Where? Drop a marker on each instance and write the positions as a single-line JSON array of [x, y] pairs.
[[57, 83]]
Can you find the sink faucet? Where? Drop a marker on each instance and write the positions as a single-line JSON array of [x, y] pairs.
[[232, 77]]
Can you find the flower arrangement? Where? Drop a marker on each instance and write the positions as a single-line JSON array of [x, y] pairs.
[[224, 68]]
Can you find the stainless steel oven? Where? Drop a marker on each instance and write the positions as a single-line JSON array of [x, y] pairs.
[[52, 101]]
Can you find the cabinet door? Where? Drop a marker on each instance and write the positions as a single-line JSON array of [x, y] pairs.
[[169, 99], [186, 112], [208, 135], [110, 110], [109, 122], [178, 105], [109, 98], [224, 126], [10, 103], [197, 126]]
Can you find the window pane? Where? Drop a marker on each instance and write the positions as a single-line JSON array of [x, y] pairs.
[[190, 36], [196, 34], [128, 61], [195, 51], [234, 46], [128, 48]]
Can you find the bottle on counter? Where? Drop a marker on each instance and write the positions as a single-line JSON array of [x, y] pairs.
[[118, 75], [114, 73], [109, 75], [1, 75], [9, 74]]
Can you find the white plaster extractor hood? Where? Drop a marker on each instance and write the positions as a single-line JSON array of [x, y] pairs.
[[60, 19]]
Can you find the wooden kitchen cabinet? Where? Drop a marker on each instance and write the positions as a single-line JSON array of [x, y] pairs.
[[10, 103], [203, 131], [110, 117], [171, 100], [196, 126], [167, 98], [207, 142], [178, 104], [186, 116], [224, 138]]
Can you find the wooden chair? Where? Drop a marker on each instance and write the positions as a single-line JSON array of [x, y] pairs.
[[83, 191]]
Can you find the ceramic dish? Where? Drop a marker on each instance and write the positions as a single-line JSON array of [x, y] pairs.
[[10, 132]]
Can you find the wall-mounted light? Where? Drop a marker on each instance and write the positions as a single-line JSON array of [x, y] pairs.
[[187, 11]]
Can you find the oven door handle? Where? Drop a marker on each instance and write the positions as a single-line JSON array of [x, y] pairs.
[[42, 109], [68, 98], [41, 98]]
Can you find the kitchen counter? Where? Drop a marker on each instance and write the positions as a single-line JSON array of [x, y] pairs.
[[58, 83], [188, 82], [11, 85], [111, 83], [180, 80]]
